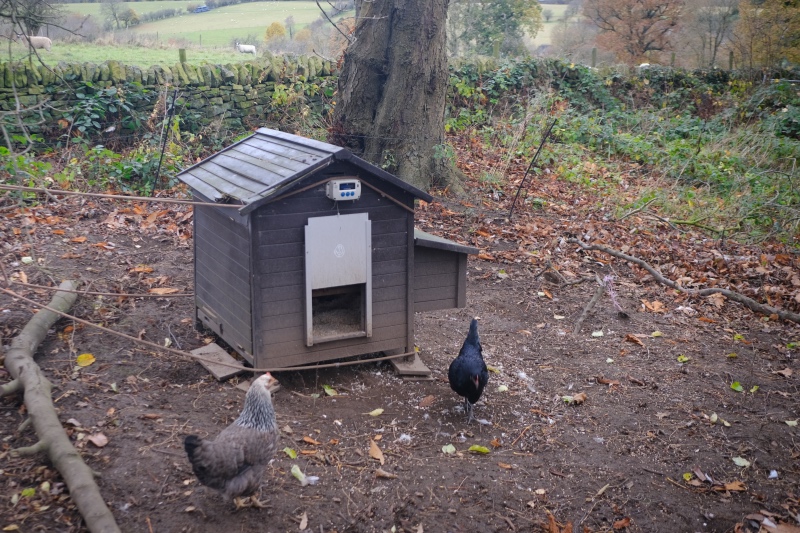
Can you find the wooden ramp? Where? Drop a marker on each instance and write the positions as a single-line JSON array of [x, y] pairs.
[[214, 352], [411, 367]]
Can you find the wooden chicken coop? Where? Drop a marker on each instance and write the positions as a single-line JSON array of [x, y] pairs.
[[320, 259]]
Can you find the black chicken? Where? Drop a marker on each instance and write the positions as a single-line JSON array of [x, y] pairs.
[[468, 374]]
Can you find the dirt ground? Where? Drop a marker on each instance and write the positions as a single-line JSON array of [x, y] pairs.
[[650, 449]]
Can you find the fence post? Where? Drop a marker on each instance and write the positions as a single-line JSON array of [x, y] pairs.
[[594, 57], [182, 54]]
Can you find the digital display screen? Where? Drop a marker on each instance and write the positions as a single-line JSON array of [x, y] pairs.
[[347, 186]]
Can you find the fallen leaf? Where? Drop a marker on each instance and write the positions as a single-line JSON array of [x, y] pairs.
[[579, 398], [302, 478], [622, 523], [427, 401], [78, 239], [791, 423], [384, 474], [598, 333], [735, 486], [656, 334], [737, 386], [303, 521], [740, 461], [495, 443], [310, 440], [505, 466], [448, 449], [290, 452], [683, 359], [502, 388], [709, 320], [377, 437], [85, 359], [634, 339], [98, 439], [376, 412], [163, 290], [330, 391], [786, 372], [375, 452], [142, 268], [475, 448], [717, 299]]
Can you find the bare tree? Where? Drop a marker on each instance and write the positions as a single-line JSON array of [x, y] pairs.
[[28, 16], [708, 26], [112, 10]]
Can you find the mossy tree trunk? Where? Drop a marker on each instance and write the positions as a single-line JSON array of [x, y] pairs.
[[392, 90]]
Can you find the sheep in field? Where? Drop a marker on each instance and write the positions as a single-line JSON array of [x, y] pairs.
[[37, 42], [246, 48]]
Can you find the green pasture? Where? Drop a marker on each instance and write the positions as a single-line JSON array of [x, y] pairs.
[[558, 10], [219, 26], [140, 7], [130, 55]]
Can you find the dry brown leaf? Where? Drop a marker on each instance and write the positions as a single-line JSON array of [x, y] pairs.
[[304, 521], [78, 239], [142, 268], [717, 299], [377, 437], [58, 232], [310, 440], [786, 372], [709, 320], [486, 257], [733, 486], [609, 382], [505, 466], [547, 293], [496, 443], [579, 398], [427, 401], [375, 452], [98, 439], [163, 290], [622, 523], [634, 339], [384, 474]]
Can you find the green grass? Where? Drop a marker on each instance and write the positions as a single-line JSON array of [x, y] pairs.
[[218, 27], [132, 55], [543, 37], [140, 7]]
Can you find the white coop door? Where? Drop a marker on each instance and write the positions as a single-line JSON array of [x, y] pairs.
[[338, 277]]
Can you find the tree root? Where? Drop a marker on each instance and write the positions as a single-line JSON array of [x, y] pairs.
[[12, 387], [731, 295], [52, 437]]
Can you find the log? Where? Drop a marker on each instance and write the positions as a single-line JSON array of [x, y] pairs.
[[39, 402]]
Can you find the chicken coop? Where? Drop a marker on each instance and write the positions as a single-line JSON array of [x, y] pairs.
[[312, 254]]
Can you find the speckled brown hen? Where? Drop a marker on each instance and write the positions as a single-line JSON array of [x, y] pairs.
[[235, 461]]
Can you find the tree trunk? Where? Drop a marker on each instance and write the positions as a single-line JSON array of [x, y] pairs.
[[392, 90], [52, 439]]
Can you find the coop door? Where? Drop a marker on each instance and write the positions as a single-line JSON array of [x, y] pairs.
[[338, 278]]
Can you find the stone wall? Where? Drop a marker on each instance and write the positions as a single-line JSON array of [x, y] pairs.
[[231, 92]]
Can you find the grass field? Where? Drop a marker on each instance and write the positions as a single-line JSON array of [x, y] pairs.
[[133, 55], [219, 26], [558, 10]]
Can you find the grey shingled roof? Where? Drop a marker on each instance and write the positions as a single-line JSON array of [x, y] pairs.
[[264, 164], [427, 240]]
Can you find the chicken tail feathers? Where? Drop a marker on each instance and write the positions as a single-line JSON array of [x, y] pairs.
[[472, 336], [190, 444]]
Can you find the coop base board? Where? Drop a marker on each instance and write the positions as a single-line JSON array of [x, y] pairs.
[[411, 366], [215, 352]]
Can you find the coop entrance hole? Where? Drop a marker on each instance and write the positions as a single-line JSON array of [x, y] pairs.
[[338, 313]]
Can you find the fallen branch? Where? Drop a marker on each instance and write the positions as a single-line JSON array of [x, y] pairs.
[[731, 295], [39, 402]]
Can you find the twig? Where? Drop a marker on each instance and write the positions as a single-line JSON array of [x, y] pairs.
[[597, 294], [535, 156], [121, 294], [197, 357], [731, 295], [521, 434], [115, 196], [642, 208]]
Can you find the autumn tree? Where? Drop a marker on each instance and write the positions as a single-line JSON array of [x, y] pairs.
[[112, 11], [633, 29], [768, 32], [392, 89], [275, 31]]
